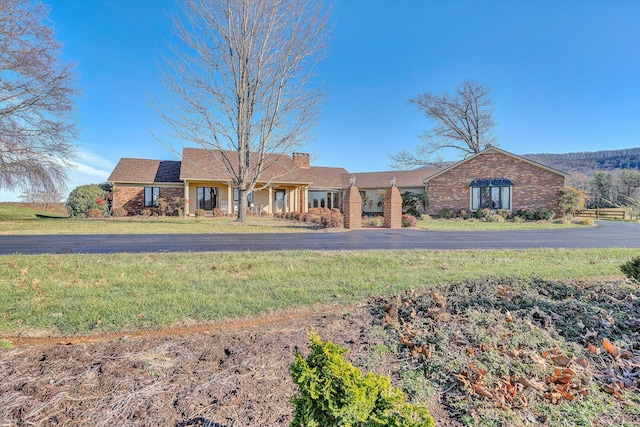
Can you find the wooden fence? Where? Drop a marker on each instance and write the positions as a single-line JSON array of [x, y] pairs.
[[608, 213]]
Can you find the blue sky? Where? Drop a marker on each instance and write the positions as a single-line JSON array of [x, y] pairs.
[[565, 75]]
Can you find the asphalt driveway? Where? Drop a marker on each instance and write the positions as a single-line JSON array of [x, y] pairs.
[[605, 235]]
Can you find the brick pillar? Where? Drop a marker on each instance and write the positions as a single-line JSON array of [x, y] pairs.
[[392, 208], [352, 208]]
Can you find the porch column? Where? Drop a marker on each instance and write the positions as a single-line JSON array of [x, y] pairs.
[[230, 201], [186, 199], [270, 211]]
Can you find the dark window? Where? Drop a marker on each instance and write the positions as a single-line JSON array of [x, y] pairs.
[[491, 193], [207, 198], [151, 196], [323, 199]]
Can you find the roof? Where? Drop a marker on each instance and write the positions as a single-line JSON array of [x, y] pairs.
[[146, 171], [404, 179], [496, 150]]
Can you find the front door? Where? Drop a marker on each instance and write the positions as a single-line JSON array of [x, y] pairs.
[[280, 197]]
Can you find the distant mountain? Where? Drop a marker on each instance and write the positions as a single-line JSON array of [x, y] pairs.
[[590, 162]]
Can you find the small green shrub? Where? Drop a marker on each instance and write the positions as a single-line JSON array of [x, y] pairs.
[[119, 212], [375, 221], [200, 213], [414, 203], [332, 392], [631, 269], [494, 217], [446, 213], [409, 220], [518, 219], [544, 215]]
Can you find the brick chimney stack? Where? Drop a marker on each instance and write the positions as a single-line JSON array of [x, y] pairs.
[[302, 160]]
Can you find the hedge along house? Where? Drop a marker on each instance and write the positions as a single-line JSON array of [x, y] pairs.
[[494, 179], [287, 184]]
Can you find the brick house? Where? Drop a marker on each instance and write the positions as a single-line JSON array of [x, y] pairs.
[[492, 178]]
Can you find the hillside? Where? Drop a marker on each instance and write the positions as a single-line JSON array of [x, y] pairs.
[[589, 162]]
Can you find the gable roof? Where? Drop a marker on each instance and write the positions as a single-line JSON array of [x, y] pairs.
[[404, 179], [496, 150], [146, 171]]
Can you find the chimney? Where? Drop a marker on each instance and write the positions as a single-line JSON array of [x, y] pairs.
[[301, 160]]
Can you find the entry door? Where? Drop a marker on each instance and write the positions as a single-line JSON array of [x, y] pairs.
[[280, 197]]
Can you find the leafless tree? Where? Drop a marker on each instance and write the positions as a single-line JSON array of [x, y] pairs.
[[463, 121], [36, 90], [46, 200], [242, 80]]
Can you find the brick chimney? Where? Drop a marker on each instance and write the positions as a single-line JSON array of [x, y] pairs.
[[301, 160]]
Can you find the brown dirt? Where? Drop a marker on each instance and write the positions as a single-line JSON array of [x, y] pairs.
[[236, 374]]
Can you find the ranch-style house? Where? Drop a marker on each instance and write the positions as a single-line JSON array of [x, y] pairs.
[[493, 178]]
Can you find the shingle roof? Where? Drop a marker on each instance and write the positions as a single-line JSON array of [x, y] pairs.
[[209, 165], [404, 179], [146, 171]]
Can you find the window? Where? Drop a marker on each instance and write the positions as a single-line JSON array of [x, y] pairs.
[[151, 196], [207, 198], [236, 197], [324, 199], [491, 193]]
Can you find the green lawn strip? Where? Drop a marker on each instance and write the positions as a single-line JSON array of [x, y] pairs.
[[475, 225], [154, 225], [80, 294]]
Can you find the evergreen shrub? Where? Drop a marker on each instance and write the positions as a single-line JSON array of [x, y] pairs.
[[332, 392]]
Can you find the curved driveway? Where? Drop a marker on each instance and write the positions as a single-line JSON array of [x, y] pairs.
[[604, 235]]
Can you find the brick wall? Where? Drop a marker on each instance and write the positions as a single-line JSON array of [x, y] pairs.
[[392, 208], [533, 186], [132, 198], [352, 208]]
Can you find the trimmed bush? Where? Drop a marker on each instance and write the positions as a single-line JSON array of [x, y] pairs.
[[446, 213], [217, 212], [494, 217], [631, 269], [332, 392], [85, 197], [145, 212], [409, 220], [200, 213], [119, 212], [376, 221], [544, 215]]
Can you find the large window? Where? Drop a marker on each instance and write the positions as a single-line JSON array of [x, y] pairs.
[[324, 199], [236, 197], [207, 198], [151, 196], [491, 193]]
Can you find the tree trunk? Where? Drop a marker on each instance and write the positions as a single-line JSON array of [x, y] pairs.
[[242, 204]]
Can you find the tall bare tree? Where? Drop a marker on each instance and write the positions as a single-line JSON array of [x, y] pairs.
[[242, 80], [36, 106], [462, 121]]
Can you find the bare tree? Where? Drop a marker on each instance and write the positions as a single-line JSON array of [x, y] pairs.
[[36, 122], [242, 80], [462, 122], [46, 200]]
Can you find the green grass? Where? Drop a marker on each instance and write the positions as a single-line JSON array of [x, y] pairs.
[[471, 225], [80, 294], [19, 220]]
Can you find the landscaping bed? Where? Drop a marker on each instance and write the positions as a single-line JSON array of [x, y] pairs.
[[490, 352]]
